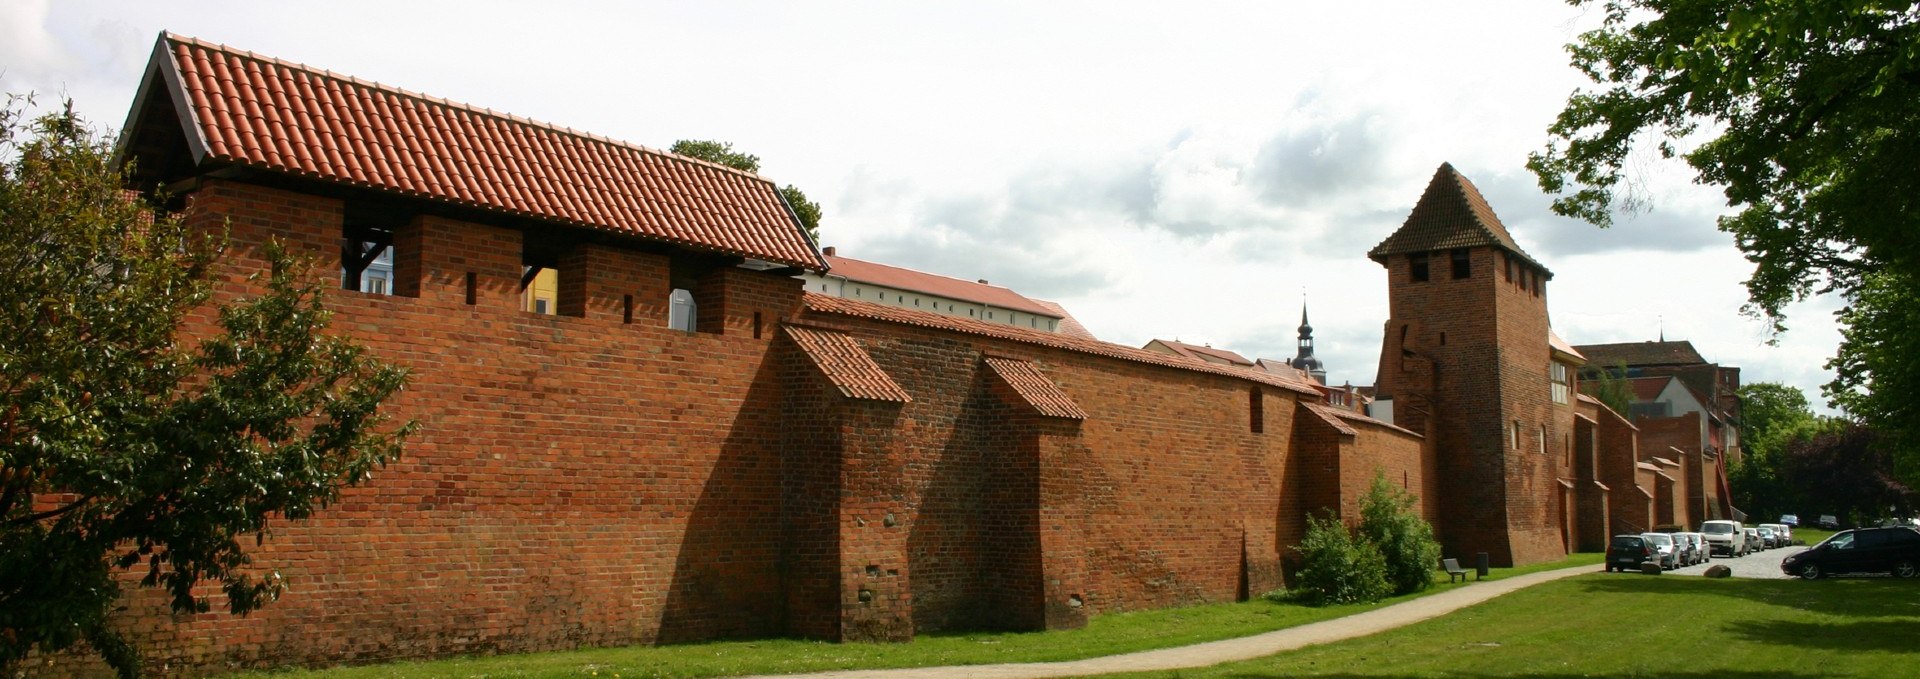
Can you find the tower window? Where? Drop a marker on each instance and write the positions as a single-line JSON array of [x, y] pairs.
[[1256, 411], [1417, 266], [1509, 259], [1561, 389], [1462, 264], [1513, 435]]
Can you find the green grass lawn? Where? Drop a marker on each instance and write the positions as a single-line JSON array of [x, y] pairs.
[[1104, 635], [1632, 625]]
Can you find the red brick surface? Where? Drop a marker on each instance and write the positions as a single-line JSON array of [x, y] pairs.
[[581, 480]]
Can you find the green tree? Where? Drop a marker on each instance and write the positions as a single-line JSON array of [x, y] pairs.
[[1389, 522], [1877, 368], [1609, 386], [125, 445], [1807, 115], [807, 211], [1338, 567], [1773, 417]]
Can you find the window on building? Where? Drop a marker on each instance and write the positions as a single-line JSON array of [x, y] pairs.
[[681, 310], [1462, 263], [1562, 390], [541, 286], [1543, 439], [1417, 267], [1513, 435], [1509, 260], [367, 266]]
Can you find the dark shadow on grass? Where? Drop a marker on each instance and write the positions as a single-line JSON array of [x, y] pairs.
[[1868, 598], [1890, 636], [1768, 674]]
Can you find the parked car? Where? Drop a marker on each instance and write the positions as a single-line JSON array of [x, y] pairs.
[[1753, 540], [1627, 552], [1725, 537], [1700, 543], [1783, 534], [1790, 519], [1828, 522], [1663, 549], [1768, 540], [1864, 550], [1696, 549]]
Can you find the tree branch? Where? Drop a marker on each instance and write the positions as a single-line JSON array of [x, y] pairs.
[[32, 518]]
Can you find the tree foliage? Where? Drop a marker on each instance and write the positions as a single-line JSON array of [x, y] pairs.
[[1774, 416], [807, 211], [1405, 541], [1807, 115], [1845, 472], [1609, 386], [125, 445], [1338, 567]]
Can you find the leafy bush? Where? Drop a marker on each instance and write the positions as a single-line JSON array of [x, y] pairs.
[[1388, 521], [1338, 567]]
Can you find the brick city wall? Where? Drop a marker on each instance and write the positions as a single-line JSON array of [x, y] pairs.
[[1678, 438], [595, 478]]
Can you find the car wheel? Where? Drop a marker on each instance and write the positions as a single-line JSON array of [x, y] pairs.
[[1905, 569], [1810, 571]]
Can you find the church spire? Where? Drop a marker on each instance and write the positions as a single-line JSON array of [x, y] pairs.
[[1304, 359]]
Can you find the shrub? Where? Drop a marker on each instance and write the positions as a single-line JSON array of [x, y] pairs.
[[1338, 567], [1405, 540]]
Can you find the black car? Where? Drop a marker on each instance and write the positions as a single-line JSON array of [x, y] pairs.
[[1627, 552], [1864, 550]]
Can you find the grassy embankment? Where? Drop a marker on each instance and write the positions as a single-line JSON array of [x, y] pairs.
[[1601, 625], [1104, 635]]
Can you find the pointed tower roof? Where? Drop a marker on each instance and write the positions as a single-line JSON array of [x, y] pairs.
[[1451, 214]]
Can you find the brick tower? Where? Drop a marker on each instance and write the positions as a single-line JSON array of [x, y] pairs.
[[1465, 360]]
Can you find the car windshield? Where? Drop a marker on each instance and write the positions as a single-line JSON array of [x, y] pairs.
[[1659, 539], [1718, 528]]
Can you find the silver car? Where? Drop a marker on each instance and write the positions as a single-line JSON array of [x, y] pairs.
[[1665, 551]]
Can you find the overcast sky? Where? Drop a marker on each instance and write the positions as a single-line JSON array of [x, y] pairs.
[[1174, 170]]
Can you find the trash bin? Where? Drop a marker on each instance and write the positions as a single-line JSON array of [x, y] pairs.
[[1480, 562]]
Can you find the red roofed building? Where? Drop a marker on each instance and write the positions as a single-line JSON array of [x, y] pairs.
[[909, 289], [684, 441]]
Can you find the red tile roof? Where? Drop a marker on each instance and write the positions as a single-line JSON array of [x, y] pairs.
[[1035, 389], [1451, 214], [1560, 345], [1351, 416], [846, 365], [261, 112], [1648, 388], [1068, 324], [1642, 354], [1202, 353], [1326, 415], [935, 284], [814, 302]]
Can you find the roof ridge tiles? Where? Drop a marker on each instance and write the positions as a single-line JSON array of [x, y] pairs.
[[450, 103]]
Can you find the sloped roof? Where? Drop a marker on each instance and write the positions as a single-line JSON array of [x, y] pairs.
[[1325, 414], [814, 302], [1451, 214], [1680, 352], [934, 284], [241, 108], [1560, 345], [1035, 389], [846, 365], [1202, 353], [1068, 324], [1342, 415], [1648, 388]]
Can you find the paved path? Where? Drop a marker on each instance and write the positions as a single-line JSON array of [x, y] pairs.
[[1231, 650]]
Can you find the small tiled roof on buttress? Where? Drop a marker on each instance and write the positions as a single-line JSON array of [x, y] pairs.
[[850, 368], [242, 108], [1035, 388], [1450, 214]]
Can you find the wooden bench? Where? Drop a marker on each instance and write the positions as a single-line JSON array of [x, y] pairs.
[[1454, 571]]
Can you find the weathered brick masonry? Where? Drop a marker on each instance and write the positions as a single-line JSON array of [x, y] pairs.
[[583, 480]]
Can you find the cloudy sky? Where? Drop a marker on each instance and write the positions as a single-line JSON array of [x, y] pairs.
[[1176, 170]]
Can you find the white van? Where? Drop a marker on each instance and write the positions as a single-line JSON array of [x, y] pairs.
[[1726, 536]]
